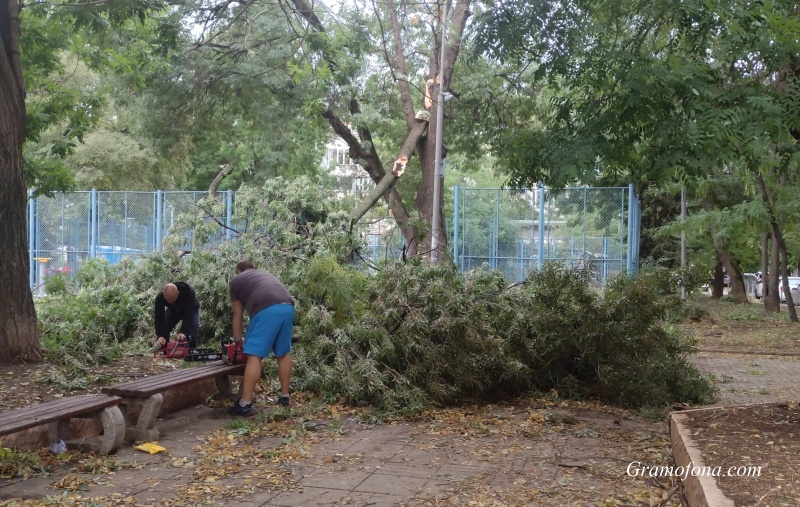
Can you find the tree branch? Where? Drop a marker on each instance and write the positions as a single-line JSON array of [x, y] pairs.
[[398, 63], [388, 181], [226, 170], [225, 28], [460, 16]]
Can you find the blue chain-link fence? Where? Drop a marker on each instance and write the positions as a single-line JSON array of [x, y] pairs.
[[494, 228], [515, 231]]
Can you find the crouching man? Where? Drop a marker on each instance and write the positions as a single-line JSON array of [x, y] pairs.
[[271, 310]]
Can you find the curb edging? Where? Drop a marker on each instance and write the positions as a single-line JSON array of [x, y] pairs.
[[700, 491]]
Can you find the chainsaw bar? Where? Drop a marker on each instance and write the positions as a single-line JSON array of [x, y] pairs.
[[203, 355]]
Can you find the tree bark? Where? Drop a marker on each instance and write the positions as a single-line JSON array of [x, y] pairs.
[[427, 145], [772, 300], [19, 340], [781, 246], [732, 267], [718, 283], [725, 258]]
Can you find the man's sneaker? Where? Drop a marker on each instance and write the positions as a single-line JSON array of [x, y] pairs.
[[238, 409], [284, 400]]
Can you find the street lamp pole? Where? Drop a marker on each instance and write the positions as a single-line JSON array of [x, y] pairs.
[[438, 174]]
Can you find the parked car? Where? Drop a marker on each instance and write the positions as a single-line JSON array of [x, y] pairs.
[[794, 287]]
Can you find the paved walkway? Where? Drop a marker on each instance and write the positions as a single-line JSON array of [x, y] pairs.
[[744, 379], [531, 454]]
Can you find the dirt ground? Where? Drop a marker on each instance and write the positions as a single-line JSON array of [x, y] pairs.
[[26, 384], [535, 451], [757, 450]]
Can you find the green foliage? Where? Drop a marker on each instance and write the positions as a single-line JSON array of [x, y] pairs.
[[404, 338], [15, 463], [427, 336]]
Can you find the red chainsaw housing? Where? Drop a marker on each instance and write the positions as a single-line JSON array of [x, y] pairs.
[[173, 350], [233, 353]]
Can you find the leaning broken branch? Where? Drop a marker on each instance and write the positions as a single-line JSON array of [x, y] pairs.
[[388, 181]]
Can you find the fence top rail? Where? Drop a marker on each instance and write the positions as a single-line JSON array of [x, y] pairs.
[[522, 189]]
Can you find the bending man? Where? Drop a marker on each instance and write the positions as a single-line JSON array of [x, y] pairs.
[[177, 302], [271, 310]]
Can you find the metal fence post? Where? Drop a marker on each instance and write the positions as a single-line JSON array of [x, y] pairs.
[[93, 225], [540, 252], [605, 259], [229, 215], [159, 218], [456, 202], [31, 237], [629, 263], [464, 222]]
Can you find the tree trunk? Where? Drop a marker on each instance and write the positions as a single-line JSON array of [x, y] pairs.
[[778, 244], [718, 284], [19, 340], [734, 271], [764, 262], [785, 279], [772, 300], [427, 145], [726, 259]]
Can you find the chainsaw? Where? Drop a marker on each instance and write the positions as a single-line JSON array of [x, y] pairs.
[[230, 353]]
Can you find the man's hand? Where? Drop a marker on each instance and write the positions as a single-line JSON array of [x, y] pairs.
[[161, 342], [181, 337]]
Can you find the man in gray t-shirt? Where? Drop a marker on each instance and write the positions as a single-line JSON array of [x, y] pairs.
[[271, 310]]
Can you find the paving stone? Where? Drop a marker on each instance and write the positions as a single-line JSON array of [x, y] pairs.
[[35, 487], [152, 498], [408, 470], [399, 485], [308, 496], [371, 500], [345, 480]]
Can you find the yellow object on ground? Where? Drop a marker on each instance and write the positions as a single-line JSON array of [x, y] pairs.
[[150, 447]]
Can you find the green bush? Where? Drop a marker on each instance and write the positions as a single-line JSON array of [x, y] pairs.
[[411, 335]]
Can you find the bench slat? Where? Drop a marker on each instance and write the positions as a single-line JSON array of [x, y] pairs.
[[42, 413], [193, 373], [144, 388], [34, 410], [53, 406]]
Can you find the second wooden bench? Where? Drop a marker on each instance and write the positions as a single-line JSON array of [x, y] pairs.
[[145, 395], [57, 414]]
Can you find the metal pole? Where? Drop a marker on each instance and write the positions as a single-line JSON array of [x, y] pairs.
[[455, 223], [125, 226], [630, 228], [437, 183], [93, 225], [31, 237], [683, 237], [585, 195], [495, 240], [540, 250], [159, 219], [229, 212]]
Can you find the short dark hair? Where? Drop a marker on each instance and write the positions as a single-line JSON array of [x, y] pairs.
[[244, 266]]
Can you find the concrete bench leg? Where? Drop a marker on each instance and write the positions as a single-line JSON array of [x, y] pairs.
[[224, 389], [143, 430], [113, 431], [112, 422]]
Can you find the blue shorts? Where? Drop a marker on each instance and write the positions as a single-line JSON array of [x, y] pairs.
[[270, 330]]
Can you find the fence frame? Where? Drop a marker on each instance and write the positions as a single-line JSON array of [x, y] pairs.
[[153, 239], [541, 228]]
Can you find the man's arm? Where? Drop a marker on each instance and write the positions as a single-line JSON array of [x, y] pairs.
[[160, 317], [237, 320]]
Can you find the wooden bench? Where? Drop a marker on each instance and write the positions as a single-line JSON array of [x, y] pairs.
[[57, 414], [145, 394]]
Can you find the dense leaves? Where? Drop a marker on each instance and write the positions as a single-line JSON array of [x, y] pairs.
[[406, 336]]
